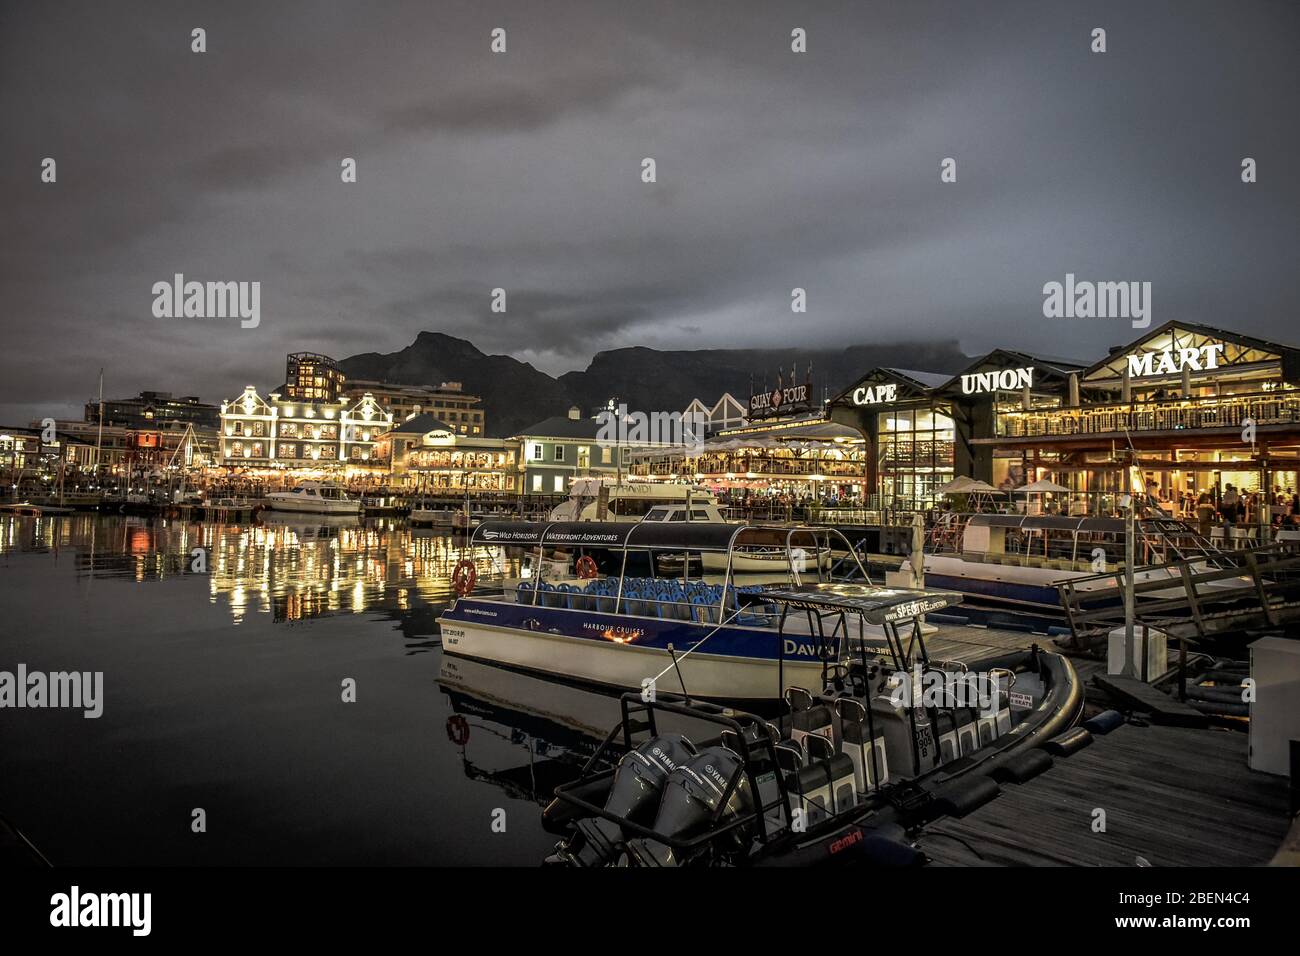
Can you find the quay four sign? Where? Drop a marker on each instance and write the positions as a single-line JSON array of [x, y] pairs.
[[779, 401]]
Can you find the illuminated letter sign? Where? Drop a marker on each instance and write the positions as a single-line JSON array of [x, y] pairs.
[[1006, 380], [1204, 358], [875, 394]]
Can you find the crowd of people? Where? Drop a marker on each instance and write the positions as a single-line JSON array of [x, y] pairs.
[[1247, 508]]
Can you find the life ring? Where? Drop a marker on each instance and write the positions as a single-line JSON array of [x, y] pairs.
[[586, 567], [464, 576], [458, 730]]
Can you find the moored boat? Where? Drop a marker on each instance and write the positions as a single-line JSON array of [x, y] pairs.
[[434, 517], [1014, 564], [604, 499], [315, 497], [708, 636], [891, 742]]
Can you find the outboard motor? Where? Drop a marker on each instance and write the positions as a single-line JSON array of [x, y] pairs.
[[690, 801], [639, 781], [641, 775]]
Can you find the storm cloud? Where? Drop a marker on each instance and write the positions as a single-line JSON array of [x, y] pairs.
[[522, 171]]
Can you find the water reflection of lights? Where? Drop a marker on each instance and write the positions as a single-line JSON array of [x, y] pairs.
[[291, 569]]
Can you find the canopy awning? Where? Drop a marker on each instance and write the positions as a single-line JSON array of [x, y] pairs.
[[657, 535], [880, 605]]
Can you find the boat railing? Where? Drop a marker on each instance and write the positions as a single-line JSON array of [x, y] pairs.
[[1048, 562], [830, 515], [703, 604]]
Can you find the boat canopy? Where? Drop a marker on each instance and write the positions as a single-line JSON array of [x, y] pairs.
[[879, 605], [658, 535], [1045, 523]]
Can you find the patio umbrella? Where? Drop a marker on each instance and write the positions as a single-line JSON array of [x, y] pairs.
[[958, 486], [1041, 486]]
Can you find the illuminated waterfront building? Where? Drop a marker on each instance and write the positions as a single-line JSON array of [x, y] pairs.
[[563, 447], [1200, 407], [310, 377], [447, 402], [311, 426], [429, 456], [277, 432], [156, 410]]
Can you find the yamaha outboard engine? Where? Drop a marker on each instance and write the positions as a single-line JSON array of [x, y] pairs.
[[690, 801], [634, 795], [641, 775]]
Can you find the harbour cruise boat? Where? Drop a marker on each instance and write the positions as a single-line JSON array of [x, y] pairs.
[[672, 503], [634, 501], [315, 497], [707, 635]]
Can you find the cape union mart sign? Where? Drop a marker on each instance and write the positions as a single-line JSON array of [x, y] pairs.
[[1203, 358], [875, 394], [1004, 380]]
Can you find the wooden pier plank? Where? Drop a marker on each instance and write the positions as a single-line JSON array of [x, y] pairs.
[[1174, 796], [1140, 696]]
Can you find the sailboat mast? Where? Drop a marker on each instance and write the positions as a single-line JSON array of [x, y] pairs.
[[99, 439]]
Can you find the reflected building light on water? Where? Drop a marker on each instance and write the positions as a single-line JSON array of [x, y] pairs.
[[292, 571]]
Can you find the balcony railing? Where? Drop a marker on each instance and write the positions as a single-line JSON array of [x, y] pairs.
[[717, 466], [1176, 415]]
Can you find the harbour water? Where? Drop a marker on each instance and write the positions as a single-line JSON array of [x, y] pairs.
[[223, 691]]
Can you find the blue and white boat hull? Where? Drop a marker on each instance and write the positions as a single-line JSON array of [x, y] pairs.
[[622, 652]]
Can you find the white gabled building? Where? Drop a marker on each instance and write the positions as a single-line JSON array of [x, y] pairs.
[[728, 412], [334, 436]]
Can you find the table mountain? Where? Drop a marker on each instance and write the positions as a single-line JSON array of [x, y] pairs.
[[515, 394]]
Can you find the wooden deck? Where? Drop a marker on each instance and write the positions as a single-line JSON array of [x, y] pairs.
[[1174, 796]]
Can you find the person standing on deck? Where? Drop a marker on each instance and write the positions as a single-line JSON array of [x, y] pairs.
[[1204, 515], [1229, 507]]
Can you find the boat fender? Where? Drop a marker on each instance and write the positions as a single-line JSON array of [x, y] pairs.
[[946, 618], [1104, 722], [1221, 709], [1023, 766], [965, 795], [1070, 742], [881, 851]]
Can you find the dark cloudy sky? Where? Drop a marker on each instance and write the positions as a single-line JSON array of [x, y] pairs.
[[522, 170]]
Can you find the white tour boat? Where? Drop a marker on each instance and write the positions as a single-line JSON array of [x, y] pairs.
[[315, 497]]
